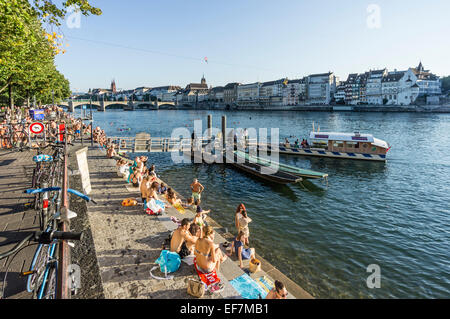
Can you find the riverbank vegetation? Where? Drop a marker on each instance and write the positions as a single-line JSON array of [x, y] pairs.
[[28, 50]]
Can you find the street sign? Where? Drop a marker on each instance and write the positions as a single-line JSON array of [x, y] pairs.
[[36, 128], [62, 131]]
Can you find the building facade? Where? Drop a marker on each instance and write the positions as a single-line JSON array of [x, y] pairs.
[[320, 88], [230, 93], [248, 94], [429, 83], [195, 92], [400, 88], [374, 86], [271, 93]]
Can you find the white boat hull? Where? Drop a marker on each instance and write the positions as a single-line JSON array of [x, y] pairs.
[[323, 153]]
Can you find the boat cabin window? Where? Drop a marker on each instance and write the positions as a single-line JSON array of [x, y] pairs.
[[352, 144], [338, 144]]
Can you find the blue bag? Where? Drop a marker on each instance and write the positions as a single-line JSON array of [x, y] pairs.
[[168, 262]]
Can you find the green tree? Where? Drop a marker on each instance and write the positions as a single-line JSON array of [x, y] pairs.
[[446, 84], [27, 51]]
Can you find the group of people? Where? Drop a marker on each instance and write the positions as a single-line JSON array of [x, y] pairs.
[[15, 127], [303, 144], [194, 238]]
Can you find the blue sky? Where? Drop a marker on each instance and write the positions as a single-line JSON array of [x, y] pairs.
[[156, 42]]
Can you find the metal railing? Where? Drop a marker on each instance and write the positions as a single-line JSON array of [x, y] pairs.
[[164, 144]]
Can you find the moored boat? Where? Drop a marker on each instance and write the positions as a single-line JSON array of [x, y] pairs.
[[269, 174], [337, 145], [306, 173]]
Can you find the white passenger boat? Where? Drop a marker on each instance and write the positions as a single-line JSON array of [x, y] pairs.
[[338, 145]]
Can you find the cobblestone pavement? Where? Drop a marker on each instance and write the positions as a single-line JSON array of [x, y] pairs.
[[128, 241], [16, 170]]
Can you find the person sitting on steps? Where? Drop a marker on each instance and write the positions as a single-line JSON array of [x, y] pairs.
[[208, 255], [181, 238]]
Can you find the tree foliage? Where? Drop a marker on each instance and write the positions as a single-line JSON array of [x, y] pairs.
[[446, 84], [27, 51]]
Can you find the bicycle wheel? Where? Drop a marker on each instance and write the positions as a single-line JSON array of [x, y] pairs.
[[38, 267], [50, 287], [48, 283]]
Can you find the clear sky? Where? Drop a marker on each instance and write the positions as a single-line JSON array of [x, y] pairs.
[[159, 42]]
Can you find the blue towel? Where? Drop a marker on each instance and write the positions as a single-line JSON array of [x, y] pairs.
[[248, 288]]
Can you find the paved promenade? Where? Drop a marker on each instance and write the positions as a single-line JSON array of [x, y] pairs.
[[16, 170], [128, 241]]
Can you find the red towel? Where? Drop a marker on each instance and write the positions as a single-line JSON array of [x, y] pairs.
[[208, 278]]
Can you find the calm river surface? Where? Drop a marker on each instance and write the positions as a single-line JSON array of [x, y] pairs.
[[393, 214]]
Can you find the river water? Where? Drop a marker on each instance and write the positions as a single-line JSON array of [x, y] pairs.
[[395, 215]]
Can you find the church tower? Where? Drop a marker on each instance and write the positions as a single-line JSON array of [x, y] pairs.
[[203, 81], [113, 86]]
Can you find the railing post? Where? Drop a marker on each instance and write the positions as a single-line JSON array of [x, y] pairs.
[[209, 126], [64, 252], [224, 132]]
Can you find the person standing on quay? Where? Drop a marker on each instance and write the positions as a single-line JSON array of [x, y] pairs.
[[238, 215], [244, 220], [197, 189]]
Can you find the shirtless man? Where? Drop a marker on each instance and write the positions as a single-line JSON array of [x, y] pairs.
[[78, 129], [196, 232], [145, 188], [197, 189], [181, 237], [278, 292]]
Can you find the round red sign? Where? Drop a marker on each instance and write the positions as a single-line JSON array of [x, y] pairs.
[[36, 128]]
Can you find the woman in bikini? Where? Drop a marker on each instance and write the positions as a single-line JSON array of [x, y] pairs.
[[208, 255]]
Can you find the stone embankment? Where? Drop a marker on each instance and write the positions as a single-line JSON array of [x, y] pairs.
[[126, 243]]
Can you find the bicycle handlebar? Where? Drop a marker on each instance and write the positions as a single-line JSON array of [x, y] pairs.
[[81, 195], [59, 235], [52, 189], [43, 238]]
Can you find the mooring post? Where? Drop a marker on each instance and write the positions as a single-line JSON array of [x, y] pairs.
[[209, 127], [224, 131]]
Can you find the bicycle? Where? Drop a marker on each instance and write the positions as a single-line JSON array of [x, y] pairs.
[[42, 280], [43, 273]]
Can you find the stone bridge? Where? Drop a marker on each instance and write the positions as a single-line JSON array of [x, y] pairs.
[[126, 105]]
